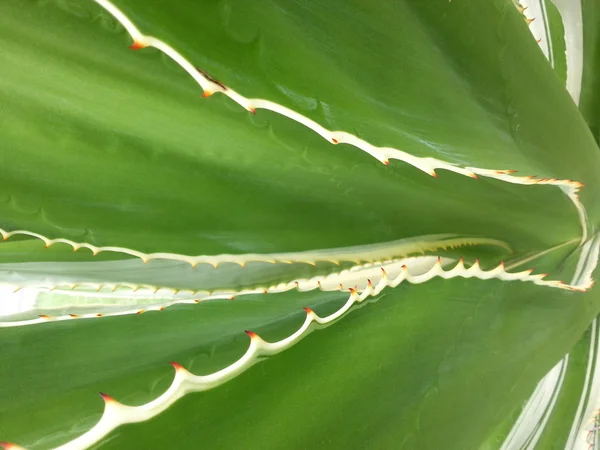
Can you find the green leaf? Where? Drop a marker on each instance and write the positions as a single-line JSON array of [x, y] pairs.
[[117, 156], [377, 376]]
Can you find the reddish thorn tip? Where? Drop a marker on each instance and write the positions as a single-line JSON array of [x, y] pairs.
[[232, 297], [252, 334], [369, 283], [176, 365], [44, 316], [136, 45], [308, 310], [433, 174], [74, 316], [9, 446], [141, 311], [404, 267], [252, 110], [206, 94], [335, 141], [383, 271], [106, 398], [386, 162]]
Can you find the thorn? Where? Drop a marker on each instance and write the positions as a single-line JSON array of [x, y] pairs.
[[99, 315], [501, 264], [335, 141], [4, 237], [352, 291], [473, 175], [176, 366], [107, 398], [528, 21], [75, 249], [265, 291], [232, 297], [252, 110], [386, 162], [10, 446], [196, 300], [308, 310], [162, 308], [145, 260], [433, 174], [252, 334], [383, 272], [439, 260], [543, 275], [95, 252], [206, 94], [137, 45], [404, 267], [461, 260], [194, 264], [369, 283], [45, 316], [73, 316], [538, 40]]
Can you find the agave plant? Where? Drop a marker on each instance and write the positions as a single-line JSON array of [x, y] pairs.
[[298, 224]]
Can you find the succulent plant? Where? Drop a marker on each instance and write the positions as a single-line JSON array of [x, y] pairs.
[[344, 224]]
